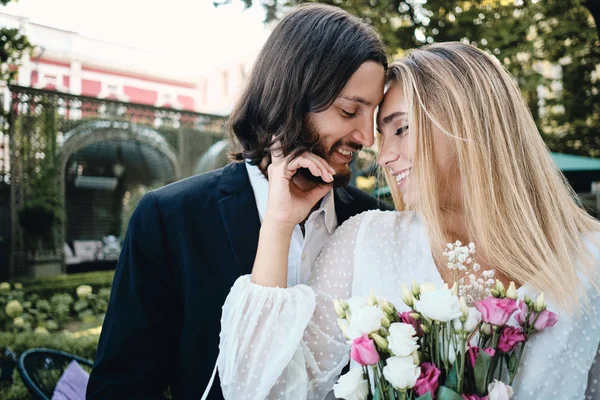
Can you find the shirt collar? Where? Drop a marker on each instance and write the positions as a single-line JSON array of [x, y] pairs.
[[260, 186]]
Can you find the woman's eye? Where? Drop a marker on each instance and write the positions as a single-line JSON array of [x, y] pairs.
[[347, 114], [402, 130]]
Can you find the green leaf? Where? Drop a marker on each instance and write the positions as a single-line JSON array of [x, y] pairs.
[[377, 394], [445, 393], [426, 396], [391, 393], [482, 366], [452, 379], [511, 362]]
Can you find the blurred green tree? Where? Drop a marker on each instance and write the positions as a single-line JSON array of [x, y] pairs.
[[550, 46], [13, 47]]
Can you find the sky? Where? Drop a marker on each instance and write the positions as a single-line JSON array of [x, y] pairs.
[[191, 29]]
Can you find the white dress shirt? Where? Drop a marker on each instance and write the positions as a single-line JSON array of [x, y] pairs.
[[318, 228]]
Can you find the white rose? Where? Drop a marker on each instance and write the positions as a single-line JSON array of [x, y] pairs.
[[343, 324], [356, 303], [352, 386], [427, 287], [402, 341], [473, 319], [401, 372], [364, 321], [439, 305], [499, 391]]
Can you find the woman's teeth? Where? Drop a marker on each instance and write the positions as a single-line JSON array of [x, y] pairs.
[[403, 176]]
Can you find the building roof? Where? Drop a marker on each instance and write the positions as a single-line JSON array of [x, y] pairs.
[[570, 163]]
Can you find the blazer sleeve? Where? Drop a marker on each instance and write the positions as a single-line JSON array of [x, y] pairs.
[[136, 351]]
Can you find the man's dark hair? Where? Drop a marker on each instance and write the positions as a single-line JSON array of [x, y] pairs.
[[303, 67]]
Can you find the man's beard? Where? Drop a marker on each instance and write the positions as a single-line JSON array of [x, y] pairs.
[[316, 146]]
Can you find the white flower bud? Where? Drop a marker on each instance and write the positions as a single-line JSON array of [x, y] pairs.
[[379, 341], [372, 301], [454, 289], [416, 357], [486, 329], [339, 309], [500, 288], [540, 303], [416, 289], [407, 296], [464, 309], [385, 322], [511, 293], [388, 308]]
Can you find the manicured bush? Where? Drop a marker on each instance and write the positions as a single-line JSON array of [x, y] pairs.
[[82, 344]]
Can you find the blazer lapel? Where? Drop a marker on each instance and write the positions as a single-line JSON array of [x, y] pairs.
[[240, 215], [343, 205]]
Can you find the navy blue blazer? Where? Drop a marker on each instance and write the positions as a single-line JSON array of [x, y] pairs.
[[186, 245]]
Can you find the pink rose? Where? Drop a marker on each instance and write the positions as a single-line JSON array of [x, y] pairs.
[[523, 310], [428, 381], [407, 319], [364, 351], [489, 351], [473, 352], [473, 397], [545, 320], [496, 311], [509, 338]]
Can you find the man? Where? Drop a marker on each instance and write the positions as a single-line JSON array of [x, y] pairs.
[[188, 242]]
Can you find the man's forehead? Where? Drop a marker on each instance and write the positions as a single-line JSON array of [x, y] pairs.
[[356, 99]]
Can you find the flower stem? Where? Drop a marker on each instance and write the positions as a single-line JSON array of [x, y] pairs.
[[462, 364], [366, 372], [493, 363], [512, 375], [380, 381], [500, 367]]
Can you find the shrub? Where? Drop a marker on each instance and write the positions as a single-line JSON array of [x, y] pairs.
[[83, 345]]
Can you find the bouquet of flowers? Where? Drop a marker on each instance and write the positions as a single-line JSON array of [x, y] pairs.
[[453, 343]]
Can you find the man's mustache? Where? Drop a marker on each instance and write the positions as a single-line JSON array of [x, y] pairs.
[[352, 145]]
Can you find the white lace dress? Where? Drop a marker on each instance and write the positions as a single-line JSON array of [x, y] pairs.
[[285, 344]]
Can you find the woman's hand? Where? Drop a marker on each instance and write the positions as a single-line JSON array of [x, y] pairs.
[[292, 197]]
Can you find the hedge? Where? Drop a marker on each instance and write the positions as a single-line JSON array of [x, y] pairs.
[[84, 346], [46, 287]]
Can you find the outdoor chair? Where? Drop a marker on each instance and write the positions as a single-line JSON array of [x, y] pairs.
[[41, 370]]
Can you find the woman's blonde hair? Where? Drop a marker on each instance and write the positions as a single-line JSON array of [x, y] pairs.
[[520, 210]]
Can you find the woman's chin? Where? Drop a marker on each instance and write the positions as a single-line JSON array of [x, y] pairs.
[[409, 200]]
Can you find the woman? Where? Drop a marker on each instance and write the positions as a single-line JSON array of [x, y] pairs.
[[463, 153]]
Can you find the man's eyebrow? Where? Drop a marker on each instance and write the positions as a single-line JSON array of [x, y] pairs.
[[356, 99]]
